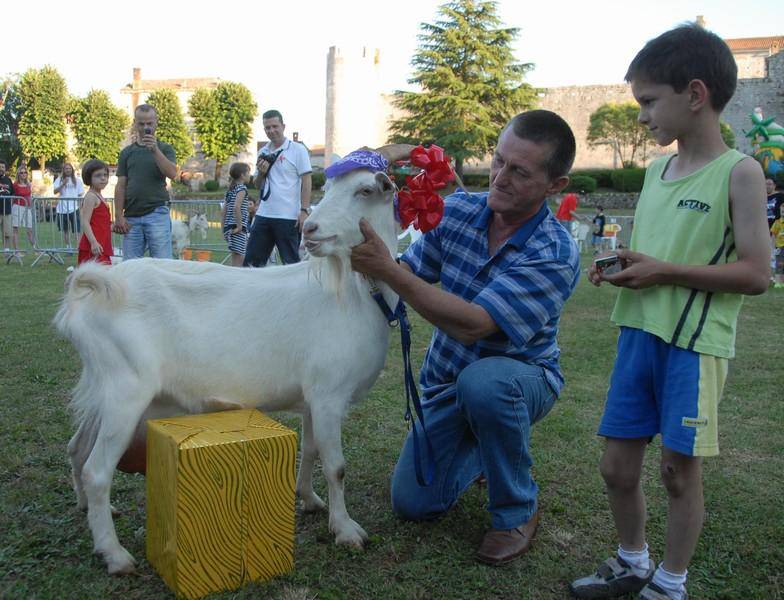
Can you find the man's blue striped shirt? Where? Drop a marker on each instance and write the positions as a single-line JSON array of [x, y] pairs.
[[523, 287]]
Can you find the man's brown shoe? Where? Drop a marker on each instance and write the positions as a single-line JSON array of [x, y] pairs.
[[499, 546]]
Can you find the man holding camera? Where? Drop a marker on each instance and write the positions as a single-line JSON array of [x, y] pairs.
[[141, 199], [284, 199]]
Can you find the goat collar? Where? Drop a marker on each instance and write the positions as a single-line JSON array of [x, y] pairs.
[[399, 317], [359, 159]]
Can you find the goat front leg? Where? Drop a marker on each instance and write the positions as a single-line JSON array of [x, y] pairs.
[[310, 500], [327, 433], [114, 435]]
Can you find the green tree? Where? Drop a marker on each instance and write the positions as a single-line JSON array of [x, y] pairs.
[[222, 118], [615, 125], [44, 101], [98, 126], [727, 134], [470, 83], [171, 123], [10, 150]]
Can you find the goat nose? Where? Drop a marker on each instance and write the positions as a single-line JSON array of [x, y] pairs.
[[309, 228]]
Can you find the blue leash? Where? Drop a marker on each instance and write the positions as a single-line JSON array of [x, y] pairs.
[[399, 317]]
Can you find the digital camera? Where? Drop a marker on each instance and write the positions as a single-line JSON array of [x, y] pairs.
[[608, 265]]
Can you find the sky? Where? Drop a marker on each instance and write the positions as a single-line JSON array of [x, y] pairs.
[[279, 50]]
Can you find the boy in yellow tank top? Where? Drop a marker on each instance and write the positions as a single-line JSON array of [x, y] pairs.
[[699, 243]]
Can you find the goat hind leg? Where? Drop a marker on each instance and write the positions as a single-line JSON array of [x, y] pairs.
[[114, 435], [310, 500], [326, 431], [79, 449]]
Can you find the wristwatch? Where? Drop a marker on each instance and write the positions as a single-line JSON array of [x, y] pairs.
[[306, 210]]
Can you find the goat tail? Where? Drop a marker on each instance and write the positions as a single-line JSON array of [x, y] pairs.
[[94, 280], [91, 283]]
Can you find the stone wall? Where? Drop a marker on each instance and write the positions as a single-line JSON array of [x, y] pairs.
[[765, 92], [607, 200], [576, 103]]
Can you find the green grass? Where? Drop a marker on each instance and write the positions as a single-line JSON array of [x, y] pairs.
[[46, 545]]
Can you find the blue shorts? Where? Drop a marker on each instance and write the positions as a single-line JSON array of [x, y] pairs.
[[656, 387]]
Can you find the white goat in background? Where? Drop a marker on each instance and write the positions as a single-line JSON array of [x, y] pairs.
[[164, 337], [182, 230]]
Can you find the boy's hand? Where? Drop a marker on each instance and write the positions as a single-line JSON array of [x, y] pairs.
[[593, 274], [639, 271]]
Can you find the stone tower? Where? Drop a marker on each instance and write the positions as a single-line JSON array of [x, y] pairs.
[[355, 114]]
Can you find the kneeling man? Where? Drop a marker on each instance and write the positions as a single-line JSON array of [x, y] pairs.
[[506, 268]]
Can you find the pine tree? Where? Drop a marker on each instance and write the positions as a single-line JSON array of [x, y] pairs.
[[222, 118], [98, 125], [471, 85], [171, 123], [44, 101]]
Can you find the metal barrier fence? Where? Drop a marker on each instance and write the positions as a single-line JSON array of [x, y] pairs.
[[205, 239], [55, 235], [51, 228]]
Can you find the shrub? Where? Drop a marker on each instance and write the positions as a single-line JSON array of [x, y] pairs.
[[581, 183], [628, 180], [318, 178], [211, 185], [603, 177], [480, 180]]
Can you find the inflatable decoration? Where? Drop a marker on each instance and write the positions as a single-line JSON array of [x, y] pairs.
[[767, 140]]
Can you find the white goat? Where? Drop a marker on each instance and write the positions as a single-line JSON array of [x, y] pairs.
[[182, 230], [164, 337]]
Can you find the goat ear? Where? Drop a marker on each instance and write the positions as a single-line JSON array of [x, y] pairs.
[[384, 183]]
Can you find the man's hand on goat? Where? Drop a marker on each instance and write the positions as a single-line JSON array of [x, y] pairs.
[[372, 256]]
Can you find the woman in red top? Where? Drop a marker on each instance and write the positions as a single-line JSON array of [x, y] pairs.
[[96, 241], [22, 209]]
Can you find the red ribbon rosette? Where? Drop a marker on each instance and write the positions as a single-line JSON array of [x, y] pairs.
[[434, 163], [418, 202]]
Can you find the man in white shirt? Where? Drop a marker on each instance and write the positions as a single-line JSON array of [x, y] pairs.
[[284, 180]]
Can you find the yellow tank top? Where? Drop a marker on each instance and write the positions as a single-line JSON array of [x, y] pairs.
[[685, 221]]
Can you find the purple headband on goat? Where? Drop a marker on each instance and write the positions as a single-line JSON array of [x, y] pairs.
[[359, 159]]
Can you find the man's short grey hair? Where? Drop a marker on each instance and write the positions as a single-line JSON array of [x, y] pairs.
[[145, 108]]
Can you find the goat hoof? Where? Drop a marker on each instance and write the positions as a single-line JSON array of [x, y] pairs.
[[122, 563], [351, 534], [313, 504]]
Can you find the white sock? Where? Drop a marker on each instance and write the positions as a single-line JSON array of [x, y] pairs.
[[672, 583], [638, 559]]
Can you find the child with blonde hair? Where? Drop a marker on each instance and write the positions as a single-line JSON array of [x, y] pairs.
[[22, 209]]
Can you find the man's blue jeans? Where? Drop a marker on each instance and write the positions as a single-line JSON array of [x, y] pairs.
[[480, 425], [151, 231]]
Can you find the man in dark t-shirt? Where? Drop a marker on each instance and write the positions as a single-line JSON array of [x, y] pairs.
[[6, 191], [140, 198]]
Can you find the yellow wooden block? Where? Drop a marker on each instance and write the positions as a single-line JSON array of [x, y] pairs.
[[220, 500]]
